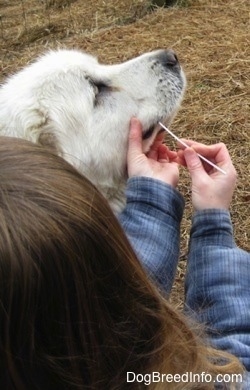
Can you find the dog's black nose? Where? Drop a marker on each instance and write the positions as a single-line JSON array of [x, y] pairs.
[[169, 59]]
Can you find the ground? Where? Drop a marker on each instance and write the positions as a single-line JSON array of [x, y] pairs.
[[211, 39]]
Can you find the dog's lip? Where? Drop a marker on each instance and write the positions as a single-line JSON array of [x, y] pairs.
[[147, 134], [150, 131]]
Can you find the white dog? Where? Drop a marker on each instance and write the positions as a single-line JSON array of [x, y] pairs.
[[81, 108]]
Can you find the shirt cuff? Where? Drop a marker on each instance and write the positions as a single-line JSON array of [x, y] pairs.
[[212, 227], [161, 197]]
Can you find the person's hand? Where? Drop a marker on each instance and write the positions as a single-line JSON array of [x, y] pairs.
[[158, 163], [210, 188]]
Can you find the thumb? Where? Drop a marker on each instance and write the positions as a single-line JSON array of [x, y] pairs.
[[193, 162], [134, 139]]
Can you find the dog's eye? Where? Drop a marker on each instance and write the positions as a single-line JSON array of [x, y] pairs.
[[101, 90], [101, 87]]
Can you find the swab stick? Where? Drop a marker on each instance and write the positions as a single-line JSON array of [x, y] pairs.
[[186, 146]]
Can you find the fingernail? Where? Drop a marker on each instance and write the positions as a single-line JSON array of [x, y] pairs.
[[133, 120]]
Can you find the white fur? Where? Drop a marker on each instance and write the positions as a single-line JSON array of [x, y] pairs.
[[58, 95]]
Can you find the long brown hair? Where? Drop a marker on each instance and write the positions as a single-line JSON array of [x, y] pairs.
[[77, 310]]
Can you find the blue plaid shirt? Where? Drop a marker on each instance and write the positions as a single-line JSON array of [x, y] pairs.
[[218, 272]]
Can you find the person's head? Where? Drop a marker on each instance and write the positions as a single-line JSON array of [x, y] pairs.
[[76, 308]]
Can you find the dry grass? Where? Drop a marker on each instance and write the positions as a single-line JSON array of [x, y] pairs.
[[212, 42]]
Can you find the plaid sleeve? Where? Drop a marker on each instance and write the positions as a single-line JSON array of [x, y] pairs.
[[151, 220], [218, 283]]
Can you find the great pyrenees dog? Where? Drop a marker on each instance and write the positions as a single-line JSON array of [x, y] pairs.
[[81, 108]]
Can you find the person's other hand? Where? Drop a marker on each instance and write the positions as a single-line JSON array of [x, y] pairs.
[[210, 188], [159, 163]]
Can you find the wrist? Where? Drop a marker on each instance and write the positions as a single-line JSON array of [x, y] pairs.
[[205, 207], [209, 201]]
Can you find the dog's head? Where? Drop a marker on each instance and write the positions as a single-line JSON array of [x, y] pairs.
[[82, 108]]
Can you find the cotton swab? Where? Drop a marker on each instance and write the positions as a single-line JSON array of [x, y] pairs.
[[186, 146]]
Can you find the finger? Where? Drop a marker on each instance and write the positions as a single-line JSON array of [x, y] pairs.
[[160, 137], [208, 150], [172, 154], [188, 142], [153, 154], [163, 153], [154, 148], [216, 153], [203, 151], [157, 141], [134, 138], [180, 158], [194, 164]]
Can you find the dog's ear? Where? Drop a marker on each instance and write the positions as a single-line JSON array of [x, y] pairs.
[[49, 140]]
